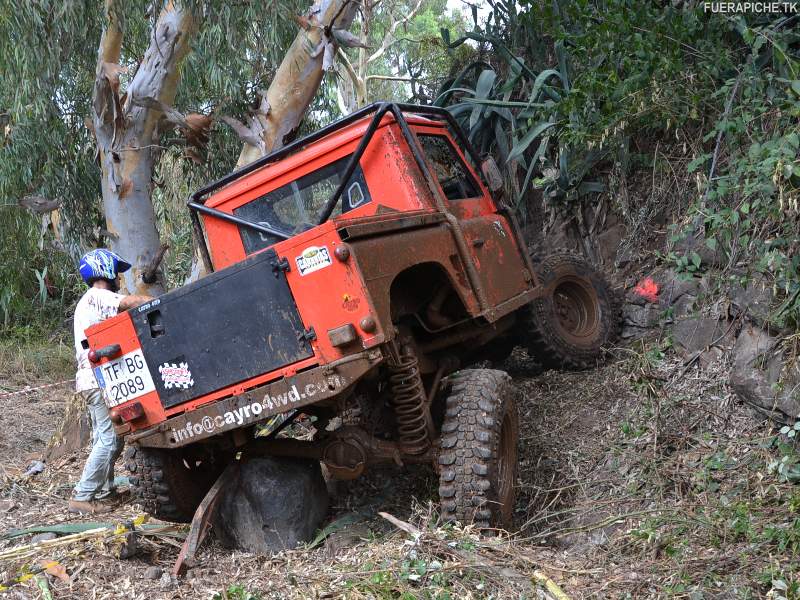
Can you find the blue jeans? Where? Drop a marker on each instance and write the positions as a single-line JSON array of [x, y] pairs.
[[98, 474]]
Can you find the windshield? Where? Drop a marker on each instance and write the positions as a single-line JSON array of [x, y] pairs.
[[296, 206]]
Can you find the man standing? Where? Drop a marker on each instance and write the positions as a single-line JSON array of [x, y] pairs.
[[100, 270]]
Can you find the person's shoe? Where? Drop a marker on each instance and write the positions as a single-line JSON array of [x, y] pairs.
[[88, 507], [106, 495]]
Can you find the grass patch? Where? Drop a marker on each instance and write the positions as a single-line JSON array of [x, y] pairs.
[[23, 362]]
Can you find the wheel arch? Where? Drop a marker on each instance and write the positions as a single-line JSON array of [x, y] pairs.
[[422, 286]]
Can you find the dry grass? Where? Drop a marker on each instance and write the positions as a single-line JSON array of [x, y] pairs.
[[641, 479]]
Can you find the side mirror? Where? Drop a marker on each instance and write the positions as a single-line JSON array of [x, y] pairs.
[[491, 172]]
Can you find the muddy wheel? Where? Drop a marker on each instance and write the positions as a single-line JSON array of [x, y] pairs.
[[169, 484], [478, 458], [569, 327]]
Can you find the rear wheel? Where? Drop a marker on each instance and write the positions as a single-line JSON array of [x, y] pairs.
[[478, 458], [170, 484], [579, 316]]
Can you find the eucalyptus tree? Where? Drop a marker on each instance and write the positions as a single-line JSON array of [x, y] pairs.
[[93, 93], [396, 52]]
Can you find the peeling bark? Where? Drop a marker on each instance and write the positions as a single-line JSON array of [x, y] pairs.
[[127, 135], [298, 77]]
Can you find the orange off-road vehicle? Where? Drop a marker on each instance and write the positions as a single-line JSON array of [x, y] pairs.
[[356, 274]]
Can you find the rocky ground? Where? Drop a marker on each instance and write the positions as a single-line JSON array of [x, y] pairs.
[[645, 478]]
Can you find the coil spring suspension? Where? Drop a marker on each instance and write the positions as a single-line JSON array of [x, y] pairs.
[[408, 401]]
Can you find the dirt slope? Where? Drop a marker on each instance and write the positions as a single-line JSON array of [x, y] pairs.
[[640, 479]]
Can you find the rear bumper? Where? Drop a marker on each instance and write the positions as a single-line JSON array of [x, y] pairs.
[[259, 403]]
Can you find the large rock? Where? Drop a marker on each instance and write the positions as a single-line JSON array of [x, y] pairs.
[[753, 299], [638, 320], [608, 243], [761, 379], [276, 504], [696, 334]]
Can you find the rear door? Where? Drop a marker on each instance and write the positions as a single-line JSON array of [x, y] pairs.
[[228, 327]]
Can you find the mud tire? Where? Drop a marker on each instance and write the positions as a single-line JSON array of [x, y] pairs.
[[571, 326], [478, 457], [164, 485]]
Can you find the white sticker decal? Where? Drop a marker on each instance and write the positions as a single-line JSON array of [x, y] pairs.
[[313, 259], [176, 375]]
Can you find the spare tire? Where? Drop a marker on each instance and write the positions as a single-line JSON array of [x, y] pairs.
[[579, 316]]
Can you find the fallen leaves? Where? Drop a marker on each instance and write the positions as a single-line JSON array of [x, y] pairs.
[[56, 569]]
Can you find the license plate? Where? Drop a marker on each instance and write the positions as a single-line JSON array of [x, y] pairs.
[[124, 378]]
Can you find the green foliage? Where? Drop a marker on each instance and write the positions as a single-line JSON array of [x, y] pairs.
[[617, 69], [750, 207], [37, 281], [48, 55], [561, 91], [786, 465], [236, 592]]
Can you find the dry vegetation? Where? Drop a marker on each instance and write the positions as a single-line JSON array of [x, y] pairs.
[[642, 479]]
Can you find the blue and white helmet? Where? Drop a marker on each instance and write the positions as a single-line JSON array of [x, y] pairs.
[[102, 264]]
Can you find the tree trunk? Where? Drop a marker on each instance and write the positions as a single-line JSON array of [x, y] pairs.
[[126, 129], [298, 78]]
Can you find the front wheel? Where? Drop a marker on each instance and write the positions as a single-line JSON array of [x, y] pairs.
[[578, 317], [478, 458]]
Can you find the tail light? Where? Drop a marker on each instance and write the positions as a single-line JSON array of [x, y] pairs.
[[125, 414]]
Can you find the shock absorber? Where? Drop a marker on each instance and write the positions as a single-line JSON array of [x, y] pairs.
[[408, 401]]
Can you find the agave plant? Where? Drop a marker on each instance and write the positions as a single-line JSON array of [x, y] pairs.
[[516, 116]]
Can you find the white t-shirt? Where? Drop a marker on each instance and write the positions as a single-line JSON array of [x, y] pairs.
[[95, 306]]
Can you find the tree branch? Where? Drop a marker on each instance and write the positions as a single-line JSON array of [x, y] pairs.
[[111, 40], [348, 66], [39, 204], [392, 78], [389, 39]]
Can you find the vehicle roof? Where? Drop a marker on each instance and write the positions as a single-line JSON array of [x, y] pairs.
[[309, 150]]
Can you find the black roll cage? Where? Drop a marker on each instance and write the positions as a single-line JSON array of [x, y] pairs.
[[196, 201]]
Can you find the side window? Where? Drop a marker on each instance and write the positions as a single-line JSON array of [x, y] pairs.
[[296, 206], [455, 179]]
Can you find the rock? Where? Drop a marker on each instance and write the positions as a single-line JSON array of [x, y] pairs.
[[34, 468], [696, 334], [43, 537], [673, 287], [625, 257], [761, 379], [752, 299], [753, 350], [608, 243], [695, 241], [126, 546], [643, 317], [153, 573], [274, 505], [167, 581], [684, 306]]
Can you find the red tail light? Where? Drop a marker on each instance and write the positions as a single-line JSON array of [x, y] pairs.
[[125, 414]]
